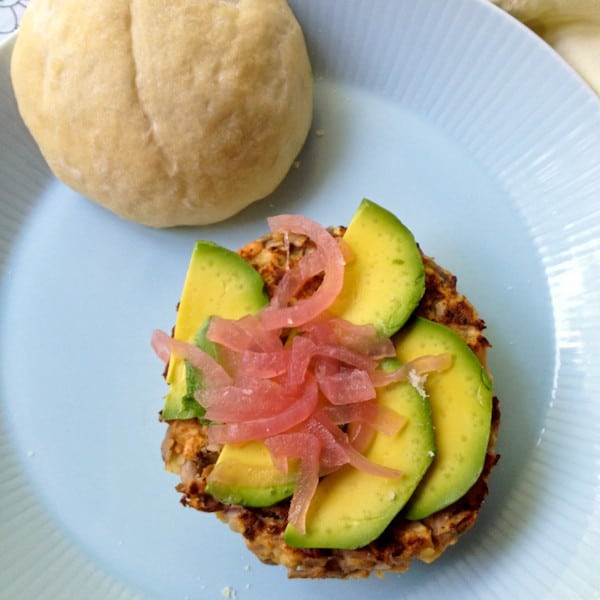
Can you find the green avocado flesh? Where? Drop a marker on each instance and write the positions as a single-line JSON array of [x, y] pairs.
[[218, 282], [461, 406], [350, 507], [386, 278], [244, 474]]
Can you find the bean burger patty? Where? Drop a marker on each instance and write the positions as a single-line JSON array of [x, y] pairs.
[[185, 449]]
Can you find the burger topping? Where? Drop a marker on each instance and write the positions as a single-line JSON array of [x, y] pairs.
[[295, 390], [309, 395], [327, 258]]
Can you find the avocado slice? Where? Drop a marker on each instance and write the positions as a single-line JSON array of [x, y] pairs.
[[382, 285], [179, 400], [351, 508], [244, 474], [461, 405], [218, 282], [386, 278]]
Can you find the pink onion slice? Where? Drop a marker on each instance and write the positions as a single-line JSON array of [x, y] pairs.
[[264, 364], [363, 339], [229, 334], [263, 339], [355, 458], [161, 344], [360, 435], [343, 385], [420, 366], [332, 454], [291, 283], [372, 413], [250, 398], [344, 355], [300, 409], [213, 373], [307, 448], [276, 317], [301, 353], [289, 445], [247, 333]]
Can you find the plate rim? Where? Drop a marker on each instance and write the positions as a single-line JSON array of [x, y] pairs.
[[11, 39]]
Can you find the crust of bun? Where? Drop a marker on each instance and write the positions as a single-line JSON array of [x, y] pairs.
[[166, 113]]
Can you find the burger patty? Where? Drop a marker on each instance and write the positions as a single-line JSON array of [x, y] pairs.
[[186, 451]]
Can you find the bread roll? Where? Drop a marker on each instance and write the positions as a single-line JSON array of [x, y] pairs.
[[571, 27], [166, 112]]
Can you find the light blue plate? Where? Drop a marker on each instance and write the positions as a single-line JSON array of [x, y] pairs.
[[487, 146]]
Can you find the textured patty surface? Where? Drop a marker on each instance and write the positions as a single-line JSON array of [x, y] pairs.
[[185, 450]]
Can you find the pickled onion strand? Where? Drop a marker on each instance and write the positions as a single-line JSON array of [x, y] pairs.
[[230, 360], [212, 371], [275, 317], [293, 280], [347, 252], [301, 353], [363, 339], [360, 435], [160, 342], [355, 458], [345, 385], [285, 446], [264, 364], [308, 451], [372, 413], [248, 399], [332, 454], [263, 339], [303, 350], [345, 355], [243, 334], [362, 463], [313, 230], [420, 366], [229, 334], [260, 429]]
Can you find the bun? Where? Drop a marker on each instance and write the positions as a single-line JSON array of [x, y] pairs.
[[165, 112]]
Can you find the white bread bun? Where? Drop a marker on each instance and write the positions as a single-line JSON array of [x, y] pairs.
[[166, 112], [571, 27]]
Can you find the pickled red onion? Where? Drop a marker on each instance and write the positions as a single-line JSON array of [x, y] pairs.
[[161, 344], [214, 374], [242, 334], [307, 448], [291, 283], [420, 366], [276, 317], [264, 364], [295, 396], [355, 458], [342, 385], [371, 413], [303, 405], [327, 329], [250, 398]]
